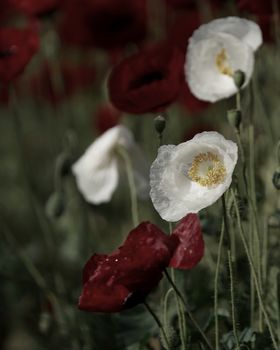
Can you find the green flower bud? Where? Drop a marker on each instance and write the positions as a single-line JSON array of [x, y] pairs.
[[63, 164], [55, 205], [159, 123], [239, 78], [276, 179], [234, 117]]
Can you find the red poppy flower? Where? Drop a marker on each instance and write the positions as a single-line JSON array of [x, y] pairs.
[[147, 81], [123, 279], [190, 4], [106, 117], [183, 28], [106, 24], [257, 7], [17, 47], [29, 7], [190, 102], [190, 249], [75, 77], [263, 10]]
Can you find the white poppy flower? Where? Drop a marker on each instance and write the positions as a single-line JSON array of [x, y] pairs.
[[97, 171], [191, 176], [215, 51], [242, 29]]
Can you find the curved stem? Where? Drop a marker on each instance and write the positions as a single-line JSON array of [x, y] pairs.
[[191, 317], [258, 289], [228, 243], [153, 314], [216, 281], [132, 188]]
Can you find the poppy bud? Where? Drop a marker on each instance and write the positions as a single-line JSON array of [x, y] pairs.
[[55, 205], [239, 78], [63, 164], [159, 123]]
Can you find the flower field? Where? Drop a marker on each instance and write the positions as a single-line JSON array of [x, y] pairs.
[[140, 174]]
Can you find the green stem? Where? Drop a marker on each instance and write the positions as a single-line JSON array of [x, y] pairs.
[[233, 313], [187, 309], [180, 309], [216, 281], [181, 315], [132, 188], [238, 100], [153, 314], [251, 263]]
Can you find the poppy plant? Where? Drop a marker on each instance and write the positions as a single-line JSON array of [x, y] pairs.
[[123, 279], [17, 47], [147, 81]]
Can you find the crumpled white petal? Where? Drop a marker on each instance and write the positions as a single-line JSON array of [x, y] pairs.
[[242, 29], [97, 171], [205, 80], [173, 192]]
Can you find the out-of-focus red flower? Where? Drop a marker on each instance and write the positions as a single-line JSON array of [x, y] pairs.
[[29, 7], [182, 4], [191, 4], [107, 24], [147, 81], [123, 279], [190, 102], [74, 78], [257, 7], [183, 28], [17, 47], [264, 12], [196, 129], [106, 117]]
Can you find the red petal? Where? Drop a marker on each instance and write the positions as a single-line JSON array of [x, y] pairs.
[[190, 250], [91, 266], [103, 298]]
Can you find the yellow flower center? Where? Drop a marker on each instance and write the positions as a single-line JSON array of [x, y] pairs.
[[222, 63], [207, 169]]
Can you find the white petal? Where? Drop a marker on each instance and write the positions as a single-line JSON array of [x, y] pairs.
[[204, 79], [243, 29], [97, 186]]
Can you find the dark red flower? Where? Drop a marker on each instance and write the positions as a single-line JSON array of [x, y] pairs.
[[105, 117], [264, 12], [147, 81], [190, 249], [29, 7], [107, 24], [74, 78], [182, 4], [123, 279], [190, 102], [17, 47], [257, 7], [183, 28], [191, 4]]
